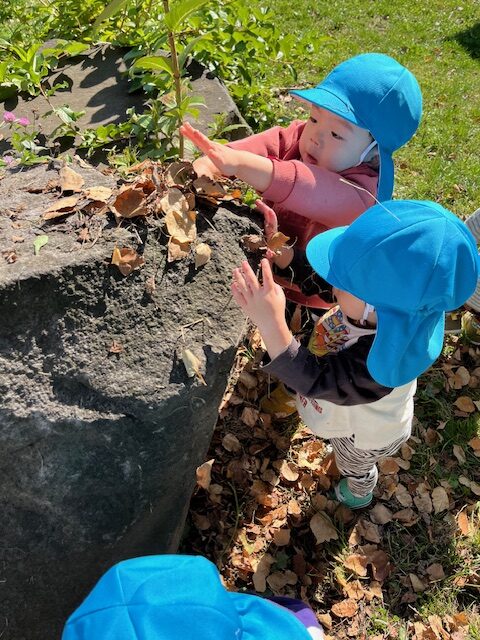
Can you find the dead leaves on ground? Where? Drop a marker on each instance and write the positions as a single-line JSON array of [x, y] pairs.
[[270, 523], [168, 192]]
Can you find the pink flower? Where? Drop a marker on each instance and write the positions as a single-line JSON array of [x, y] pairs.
[[23, 121], [8, 159], [8, 116]]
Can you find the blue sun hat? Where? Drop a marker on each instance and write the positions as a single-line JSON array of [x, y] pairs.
[[374, 92], [175, 597], [412, 261]]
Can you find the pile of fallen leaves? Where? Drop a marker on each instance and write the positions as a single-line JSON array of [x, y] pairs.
[[165, 196], [262, 511]]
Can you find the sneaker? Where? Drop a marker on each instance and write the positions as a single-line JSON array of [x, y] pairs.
[[280, 402], [471, 327], [346, 497], [453, 323]]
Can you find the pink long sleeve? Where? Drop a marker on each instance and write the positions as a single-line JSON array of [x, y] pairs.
[[319, 194], [277, 142]]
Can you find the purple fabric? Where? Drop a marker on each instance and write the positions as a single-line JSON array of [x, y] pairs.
[[299, 609]]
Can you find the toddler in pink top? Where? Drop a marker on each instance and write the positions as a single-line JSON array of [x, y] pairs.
[[325, 172]]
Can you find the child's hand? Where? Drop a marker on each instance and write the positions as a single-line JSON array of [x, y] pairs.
[[264, 304], [256, 171], [282, 258], [203, 166], [224, 158]]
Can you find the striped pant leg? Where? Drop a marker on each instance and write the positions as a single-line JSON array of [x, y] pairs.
[[359, 466]]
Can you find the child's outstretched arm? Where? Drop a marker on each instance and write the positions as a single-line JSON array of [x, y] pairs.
[[256, 171], [264, 304]]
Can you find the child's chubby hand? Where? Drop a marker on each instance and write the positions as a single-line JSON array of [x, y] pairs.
[[264, 304], [284, 256], [226, 160]]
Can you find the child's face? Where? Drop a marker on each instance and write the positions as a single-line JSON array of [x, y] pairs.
[[331, 142], [352, 306]]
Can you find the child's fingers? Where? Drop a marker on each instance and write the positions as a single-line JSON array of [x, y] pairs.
[[199, 140], [238, 296], [270, 217], [240, 282], [268, 281], [249, 277]]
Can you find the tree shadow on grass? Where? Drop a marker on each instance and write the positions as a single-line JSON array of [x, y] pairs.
[[470, 40]]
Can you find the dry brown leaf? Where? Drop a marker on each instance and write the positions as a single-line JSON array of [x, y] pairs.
[[381, 565], [18, 239], [127, 260], [465, 403], [463, 523], [323, 528], [230, 442], [408, 517], [440, 499], [402, 495], [178, 173], [209, 187], [357, 563], [261, 572], [345, 609], [263, 494], [287, 470], [354, 590], [202, 254], [192, 365], [247, 379], [177, 250], [277, 241], [380, 514], [325, 620], [173, 202], [475, 443], [435, 571], [388, 466], [61, 207], [368, 530], [98, 194], [201, 521], [464, 375], [249, 416], [204, 474], [407, 451], [70, 180], [130, 203], [459, 454], [181, 226], [422, 500], [293, 508], [253, 242], [281, 537], [417, 584]]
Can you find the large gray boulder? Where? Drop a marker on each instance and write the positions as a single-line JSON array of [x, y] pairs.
[[98, 450]]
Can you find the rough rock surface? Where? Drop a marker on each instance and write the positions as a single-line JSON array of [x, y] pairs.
[[98, 450]]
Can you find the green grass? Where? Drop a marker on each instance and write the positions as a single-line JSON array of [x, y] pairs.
[[439, 41]]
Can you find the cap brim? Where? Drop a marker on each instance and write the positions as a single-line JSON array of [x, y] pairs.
[[320, 251], [327, 100], [405, 345], [264, 620]]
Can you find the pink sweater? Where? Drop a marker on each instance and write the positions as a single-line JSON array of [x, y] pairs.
[[307, 199]]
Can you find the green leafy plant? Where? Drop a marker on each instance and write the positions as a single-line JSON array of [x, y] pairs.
[[23, 141], [24, 70]]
